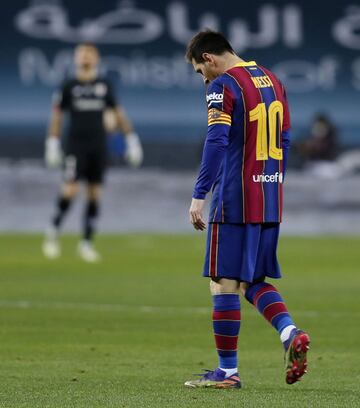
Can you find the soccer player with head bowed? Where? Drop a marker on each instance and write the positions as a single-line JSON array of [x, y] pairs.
[[85, 98], [244, 162]]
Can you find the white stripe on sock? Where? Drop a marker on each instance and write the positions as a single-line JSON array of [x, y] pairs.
[[229, 371], [285, 334]]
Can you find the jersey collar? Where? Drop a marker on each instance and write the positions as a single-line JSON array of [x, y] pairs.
[[245, 64]]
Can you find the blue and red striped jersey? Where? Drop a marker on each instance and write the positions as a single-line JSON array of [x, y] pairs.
[[246, 146]]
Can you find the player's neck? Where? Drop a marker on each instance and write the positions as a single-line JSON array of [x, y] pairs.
[[231, 60], [85, 75]]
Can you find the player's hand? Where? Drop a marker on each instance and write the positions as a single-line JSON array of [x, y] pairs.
[[134, 153], [53, 154], [196, 214]]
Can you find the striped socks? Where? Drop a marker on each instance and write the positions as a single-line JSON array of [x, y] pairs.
[[226, 323], [270, 304], [227, 320]]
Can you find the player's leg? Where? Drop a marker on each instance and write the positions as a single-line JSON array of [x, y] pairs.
[[262, 295], [91, 213], [71, 174], [94, 174], [226, 318], [220, 262], [268, 301], [226, 322], [51, 245], [69, 191]]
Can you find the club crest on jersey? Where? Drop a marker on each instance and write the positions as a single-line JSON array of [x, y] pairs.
[[214, 98], [268, 178], [100, 89], [215, 114]]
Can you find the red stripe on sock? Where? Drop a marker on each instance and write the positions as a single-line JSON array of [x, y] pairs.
[[226, 343], [227, 315], [274, 309], [269, 288], [278, 315]]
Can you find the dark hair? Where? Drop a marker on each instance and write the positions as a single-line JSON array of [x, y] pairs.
[[207, 41]]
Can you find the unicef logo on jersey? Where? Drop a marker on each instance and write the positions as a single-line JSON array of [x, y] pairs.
[[214, 98], [268, 178]]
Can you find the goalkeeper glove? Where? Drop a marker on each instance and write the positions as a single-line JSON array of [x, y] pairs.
[[134, 153], [53, 154]]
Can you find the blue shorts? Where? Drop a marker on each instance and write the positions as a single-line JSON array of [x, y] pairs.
[[245, 252]]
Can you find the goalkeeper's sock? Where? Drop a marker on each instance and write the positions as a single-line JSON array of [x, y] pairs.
[[226, 324], [90, 217], [270, 304], [62, 206]]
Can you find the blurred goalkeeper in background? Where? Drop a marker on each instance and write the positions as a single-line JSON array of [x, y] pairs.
[[85, 98]]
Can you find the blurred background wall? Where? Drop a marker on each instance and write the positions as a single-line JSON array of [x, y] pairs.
[[312, 46]]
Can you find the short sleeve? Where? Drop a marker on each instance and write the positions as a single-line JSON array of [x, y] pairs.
[[219, 98], [110, 98], [61, 97]]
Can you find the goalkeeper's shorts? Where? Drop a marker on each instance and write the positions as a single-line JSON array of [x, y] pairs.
[[245, 252], [87, 166]]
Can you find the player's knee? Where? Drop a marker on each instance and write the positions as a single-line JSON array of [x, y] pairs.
[[245, 286], [70, 190], [219, 286], [93, 192]]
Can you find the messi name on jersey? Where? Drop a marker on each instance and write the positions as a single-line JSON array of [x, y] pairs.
[[262, 81]]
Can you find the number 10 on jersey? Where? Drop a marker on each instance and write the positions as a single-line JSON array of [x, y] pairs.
[[267, 123]]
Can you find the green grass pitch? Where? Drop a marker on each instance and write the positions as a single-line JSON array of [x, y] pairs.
[[129, 331]]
